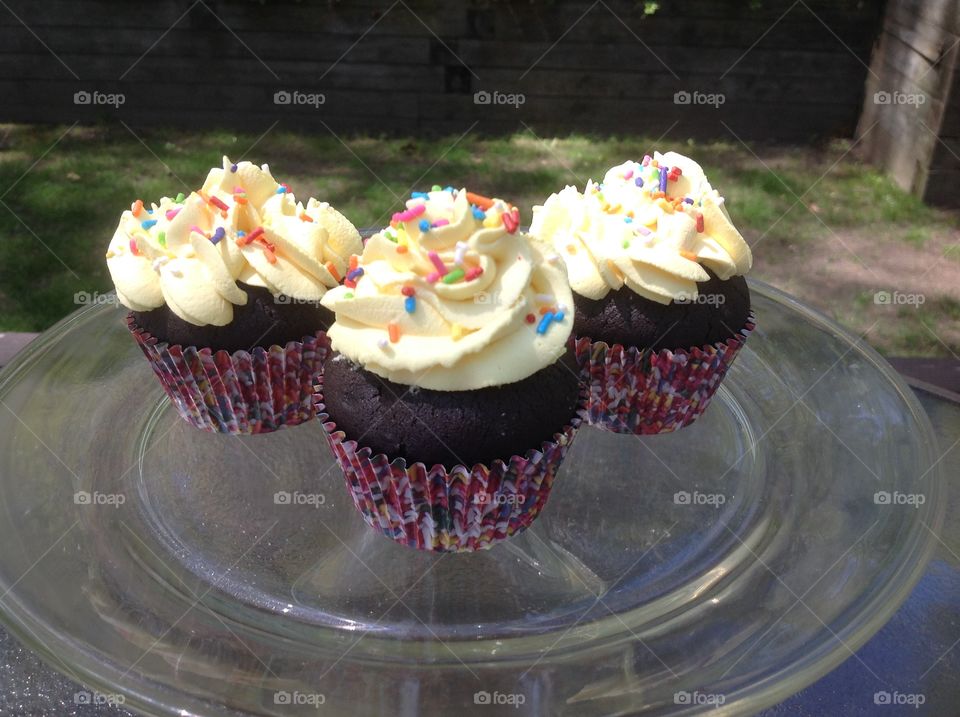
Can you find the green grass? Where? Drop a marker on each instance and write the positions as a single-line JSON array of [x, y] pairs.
[[69, 197]]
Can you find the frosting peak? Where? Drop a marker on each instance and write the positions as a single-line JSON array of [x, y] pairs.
[[451, 297], [242, 225], [651, 225]]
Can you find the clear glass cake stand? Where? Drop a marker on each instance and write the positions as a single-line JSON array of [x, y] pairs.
[[724, 567]]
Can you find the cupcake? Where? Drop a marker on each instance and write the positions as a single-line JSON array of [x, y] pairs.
[[223, 288], [450, 395], [661, 307]]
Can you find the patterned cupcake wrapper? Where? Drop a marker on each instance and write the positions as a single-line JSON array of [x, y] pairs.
[[254, 391], [640, 391], [460, 510]]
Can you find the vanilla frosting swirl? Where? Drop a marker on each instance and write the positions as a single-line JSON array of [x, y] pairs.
[[451, 297], [190, 252], [651, 225]]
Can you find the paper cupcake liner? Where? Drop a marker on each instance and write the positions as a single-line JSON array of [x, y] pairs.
[[644, 392], [255, 391], [460, 510]]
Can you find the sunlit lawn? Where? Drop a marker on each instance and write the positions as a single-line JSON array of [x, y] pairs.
[[61, 205]]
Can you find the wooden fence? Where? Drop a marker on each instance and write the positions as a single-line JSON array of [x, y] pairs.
[[774, 69]]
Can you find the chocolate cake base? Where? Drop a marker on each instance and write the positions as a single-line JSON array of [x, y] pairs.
[[263, 321], [624, 317], [450, 427]]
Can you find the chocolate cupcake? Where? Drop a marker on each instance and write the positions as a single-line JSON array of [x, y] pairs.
[[450, 397], [224, 288], [661, 305]]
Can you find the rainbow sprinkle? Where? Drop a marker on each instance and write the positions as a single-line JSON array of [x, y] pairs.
[[545, 321], [218, 234], [410, 304], [148, 223], [180, 198], [218, 203], [437, 262], [454, 276], [410, 214]]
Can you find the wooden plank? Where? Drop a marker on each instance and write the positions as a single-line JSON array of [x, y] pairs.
[[941, 189], [169, 103], [946, 156], [183, 71], [654, 82], [218, 42], [350, 19], [795, 31], [681, 58]]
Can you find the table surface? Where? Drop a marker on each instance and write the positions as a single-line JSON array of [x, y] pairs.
[[914, 658]]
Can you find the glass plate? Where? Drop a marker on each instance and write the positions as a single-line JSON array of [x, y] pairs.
[[731, 563]]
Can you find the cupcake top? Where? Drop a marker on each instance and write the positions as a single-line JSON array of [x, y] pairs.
[[651, 225], [451, 297], [190, 252]]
